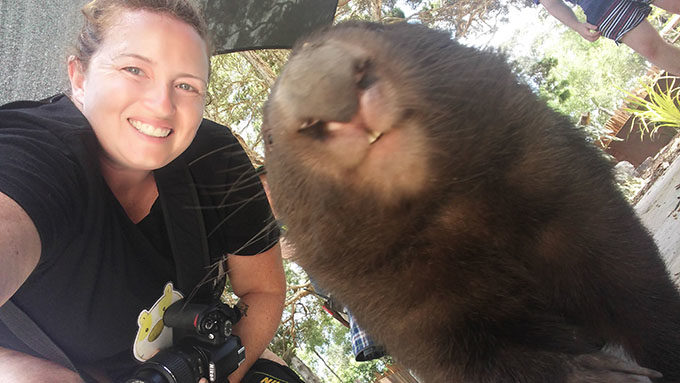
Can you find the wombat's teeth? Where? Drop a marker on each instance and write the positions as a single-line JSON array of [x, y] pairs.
[[373, 136]]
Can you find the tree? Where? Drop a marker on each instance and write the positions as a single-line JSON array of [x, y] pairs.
[[572, 75], [539, 75], [309, 333], [465, 16], [457, 16], [239, 86]]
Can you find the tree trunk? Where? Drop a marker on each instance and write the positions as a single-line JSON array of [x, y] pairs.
[[263, 70], [377, 10], [305, 372]]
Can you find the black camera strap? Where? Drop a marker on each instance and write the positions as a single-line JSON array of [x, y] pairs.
[[24, 328], [186, 230]]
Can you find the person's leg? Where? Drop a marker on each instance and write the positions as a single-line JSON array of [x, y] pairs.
[[645, 40], [672, 6]]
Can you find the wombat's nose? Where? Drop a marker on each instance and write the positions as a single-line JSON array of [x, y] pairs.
[[323, 82]]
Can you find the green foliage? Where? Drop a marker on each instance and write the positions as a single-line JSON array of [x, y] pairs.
[[395, 13], [457, 16], [462, 17], [540, 77], [576, 77], [311, 333], [363, 372], [338, 365], [660, 109], [237, 92]]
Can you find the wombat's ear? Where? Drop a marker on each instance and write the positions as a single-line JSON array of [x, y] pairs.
[[265, 130], [267, 136]]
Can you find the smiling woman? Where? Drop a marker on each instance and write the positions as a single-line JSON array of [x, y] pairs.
[[144, 90], [106, 196]]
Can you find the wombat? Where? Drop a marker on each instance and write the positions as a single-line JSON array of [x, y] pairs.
[[470, 229]]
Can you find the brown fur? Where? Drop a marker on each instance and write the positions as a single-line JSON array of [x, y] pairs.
[[481, 238]]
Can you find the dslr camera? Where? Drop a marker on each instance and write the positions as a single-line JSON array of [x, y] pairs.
[[202, 346]]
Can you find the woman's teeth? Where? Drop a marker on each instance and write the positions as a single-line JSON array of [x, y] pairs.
[[150, 130]]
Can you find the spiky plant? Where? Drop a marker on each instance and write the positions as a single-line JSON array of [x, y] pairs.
[[661, 110]]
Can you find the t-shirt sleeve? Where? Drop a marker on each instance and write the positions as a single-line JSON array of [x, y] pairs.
[[37, 173], [236, 212]]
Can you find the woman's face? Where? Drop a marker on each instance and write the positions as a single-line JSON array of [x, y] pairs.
[[144, 90]]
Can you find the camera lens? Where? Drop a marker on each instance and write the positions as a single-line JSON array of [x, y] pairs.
[[148, 376], [172, 365]]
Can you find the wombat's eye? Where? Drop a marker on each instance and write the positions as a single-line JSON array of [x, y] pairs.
[[366, 81], [267, 137], [314, 128], [362, 65], [364, 74]]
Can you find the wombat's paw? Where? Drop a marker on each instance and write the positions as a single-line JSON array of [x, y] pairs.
[[605, 368]]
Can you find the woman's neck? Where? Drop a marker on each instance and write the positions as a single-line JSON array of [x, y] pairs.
[[134, 189]]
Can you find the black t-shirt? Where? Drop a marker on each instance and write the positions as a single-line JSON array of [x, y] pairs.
[[98, 270]]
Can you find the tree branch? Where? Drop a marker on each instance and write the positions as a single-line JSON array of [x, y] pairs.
[[326, 364]]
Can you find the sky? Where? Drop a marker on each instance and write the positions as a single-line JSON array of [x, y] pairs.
[[517, 18]]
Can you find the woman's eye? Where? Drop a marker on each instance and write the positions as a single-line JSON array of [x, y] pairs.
[[134, 70], [187, 87]]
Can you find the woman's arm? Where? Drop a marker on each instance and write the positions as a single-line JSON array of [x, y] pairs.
[[562, 12], [19, 247], [260, 283], [19, 367], [19, 254]]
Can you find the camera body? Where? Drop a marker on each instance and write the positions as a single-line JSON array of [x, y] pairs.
[[203, 346]]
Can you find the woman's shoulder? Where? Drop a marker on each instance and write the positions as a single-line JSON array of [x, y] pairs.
[[213, 133], [58, 108], [51, 127], [55, 115]]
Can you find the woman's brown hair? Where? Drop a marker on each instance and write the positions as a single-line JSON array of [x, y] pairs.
[[100, 15]]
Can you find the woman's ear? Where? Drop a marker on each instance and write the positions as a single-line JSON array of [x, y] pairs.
[[76, 75]]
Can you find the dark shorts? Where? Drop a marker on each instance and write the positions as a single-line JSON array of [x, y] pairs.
[[622, 16]]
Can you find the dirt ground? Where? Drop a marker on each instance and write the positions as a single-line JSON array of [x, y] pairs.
[[658, 204]]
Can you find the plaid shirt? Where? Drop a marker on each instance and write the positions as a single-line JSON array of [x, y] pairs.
[[362, 345]]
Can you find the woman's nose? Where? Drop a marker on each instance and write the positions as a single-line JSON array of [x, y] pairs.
[[160, 100]]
